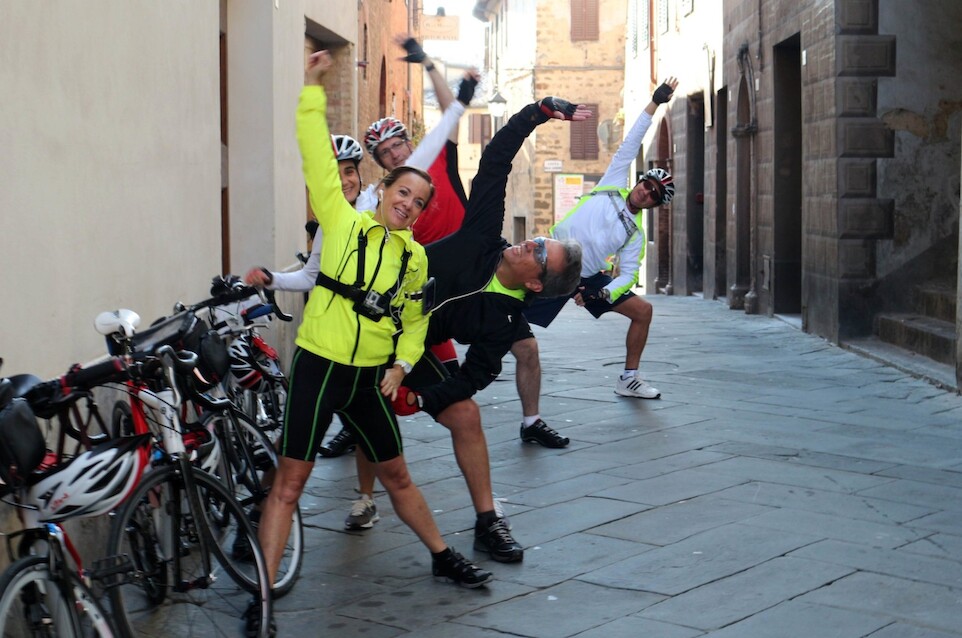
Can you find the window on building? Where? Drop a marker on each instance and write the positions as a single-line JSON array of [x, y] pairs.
[[662, 16], [364, 56], [644, 23], [480, 129], [584, 137], [584, 20]]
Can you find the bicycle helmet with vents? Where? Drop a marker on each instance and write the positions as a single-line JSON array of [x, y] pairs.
[[384, 129], [91, 484], [244, 373], [347, 148], [664, 179]]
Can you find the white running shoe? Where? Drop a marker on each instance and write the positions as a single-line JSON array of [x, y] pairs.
[[363, 515], [635, 387]]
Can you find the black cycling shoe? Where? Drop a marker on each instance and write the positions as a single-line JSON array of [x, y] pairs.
[[252, 620], [458, 569], [340, 444], [540, 432], [497, 541]]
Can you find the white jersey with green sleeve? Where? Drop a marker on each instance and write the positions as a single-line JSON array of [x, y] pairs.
[[601, 222]]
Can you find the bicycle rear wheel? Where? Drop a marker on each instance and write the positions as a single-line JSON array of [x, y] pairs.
[[34, 603], [170, 591]]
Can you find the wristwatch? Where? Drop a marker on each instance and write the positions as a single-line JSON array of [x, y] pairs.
[[605, 294], [404, 365]]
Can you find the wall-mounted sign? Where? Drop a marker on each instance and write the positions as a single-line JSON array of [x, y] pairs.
[[568, 189], [553, 166], [440, 27]]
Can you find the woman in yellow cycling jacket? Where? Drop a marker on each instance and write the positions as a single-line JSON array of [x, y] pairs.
[[371, 275]]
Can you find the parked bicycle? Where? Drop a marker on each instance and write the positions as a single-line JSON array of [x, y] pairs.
[[169, 542], [235, 448]]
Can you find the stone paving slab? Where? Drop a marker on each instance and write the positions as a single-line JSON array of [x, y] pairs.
[[795, 619], [879, 560], [913, 603], [697, 560], [824, 502], [729, 600], [564, 610]]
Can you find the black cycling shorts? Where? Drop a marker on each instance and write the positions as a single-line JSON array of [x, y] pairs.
[[320, 388]]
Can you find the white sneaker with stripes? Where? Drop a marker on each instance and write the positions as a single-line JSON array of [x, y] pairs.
[[635, 387]]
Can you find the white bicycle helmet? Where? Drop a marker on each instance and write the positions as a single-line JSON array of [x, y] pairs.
[[384, 129], [347, 148], [664, 178], [244, 373], [91, 484]]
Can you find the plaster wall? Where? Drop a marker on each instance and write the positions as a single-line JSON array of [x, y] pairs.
[[923, 105], [111, 169]]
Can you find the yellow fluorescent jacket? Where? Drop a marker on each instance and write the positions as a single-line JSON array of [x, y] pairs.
[[331, 329]]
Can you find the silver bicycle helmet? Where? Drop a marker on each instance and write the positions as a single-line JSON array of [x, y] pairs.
[[91, 484], [663, 177], [384, 129], [347, 148]]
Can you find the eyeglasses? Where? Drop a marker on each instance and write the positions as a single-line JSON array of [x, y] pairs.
[[387, 151], [541, 254], [652, 190]]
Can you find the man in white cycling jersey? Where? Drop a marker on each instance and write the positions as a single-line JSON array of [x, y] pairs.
[[606, 221]]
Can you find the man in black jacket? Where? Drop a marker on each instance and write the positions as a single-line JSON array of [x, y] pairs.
[[483, 284]]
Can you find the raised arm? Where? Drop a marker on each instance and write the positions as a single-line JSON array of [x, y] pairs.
[[617, 172], [317, 152], [416, 54]]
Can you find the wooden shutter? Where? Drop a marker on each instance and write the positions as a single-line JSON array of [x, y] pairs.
[[479, 131], [584, 137], [584, 20]]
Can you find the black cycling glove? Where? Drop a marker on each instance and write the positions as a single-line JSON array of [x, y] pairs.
[[662, 94], [466, 90], [551, 104], [415, 52]]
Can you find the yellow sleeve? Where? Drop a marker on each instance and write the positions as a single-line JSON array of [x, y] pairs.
[[318, 161], [410, 345]]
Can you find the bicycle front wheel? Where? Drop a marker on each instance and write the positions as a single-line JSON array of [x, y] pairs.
[[34, 603], [247, 468], [183, 579]]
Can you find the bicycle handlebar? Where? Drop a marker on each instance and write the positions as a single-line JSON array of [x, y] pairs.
[[49, 397], [237, 292]]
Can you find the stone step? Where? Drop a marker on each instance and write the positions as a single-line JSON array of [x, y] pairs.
[[933, 338], [936, 299]]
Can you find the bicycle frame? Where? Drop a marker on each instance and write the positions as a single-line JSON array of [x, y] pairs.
[[164, 406]]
